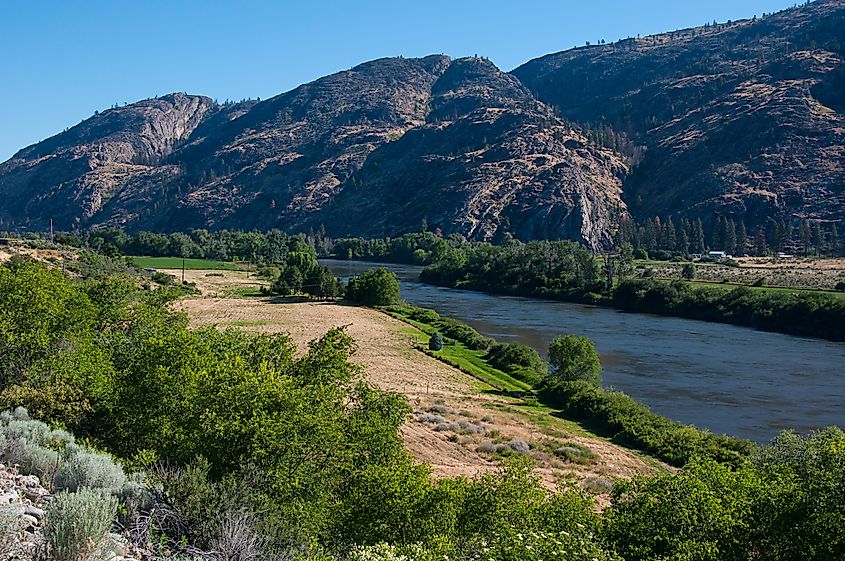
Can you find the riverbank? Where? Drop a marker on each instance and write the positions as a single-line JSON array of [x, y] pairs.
[[461, 425], [729, 379], [610, 414], [799, 313]]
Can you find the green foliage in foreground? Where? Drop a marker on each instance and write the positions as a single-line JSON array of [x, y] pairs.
[[251, 446]]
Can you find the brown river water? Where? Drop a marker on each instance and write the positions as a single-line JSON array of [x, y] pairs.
[[728, 379]]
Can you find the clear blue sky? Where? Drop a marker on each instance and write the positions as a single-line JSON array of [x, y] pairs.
[[63, 59]]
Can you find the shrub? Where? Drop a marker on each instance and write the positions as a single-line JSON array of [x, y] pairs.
[[429, 418], [436, 342], [598, 485], [76, 523], [574, 357], [575, 453], [521, 361], [688, 271], [631, 423], [11, 525], [454, 329], [163, 278], [32, 459], [378, 287], [840, 286], [519, 446], [89, 469], [238, 539], [487, 448], [33, 432]]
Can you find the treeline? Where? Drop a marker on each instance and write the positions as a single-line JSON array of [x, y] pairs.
[[664, 238], [557, 269], [271, 247], [420, 248], [567, 271], [807, 314], [223, 245], [246, 446]]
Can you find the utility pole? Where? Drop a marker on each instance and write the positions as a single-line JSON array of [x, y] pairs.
[[183, 270], [51, 230]]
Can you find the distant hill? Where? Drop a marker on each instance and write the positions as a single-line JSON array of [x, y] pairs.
[[745, 119]]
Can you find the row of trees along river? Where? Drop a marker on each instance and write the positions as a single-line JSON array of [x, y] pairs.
[[740, 381]]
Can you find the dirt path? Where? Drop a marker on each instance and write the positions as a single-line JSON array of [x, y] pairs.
[[457, 426]]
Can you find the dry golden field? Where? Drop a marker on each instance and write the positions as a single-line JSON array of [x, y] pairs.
[[472, 420]]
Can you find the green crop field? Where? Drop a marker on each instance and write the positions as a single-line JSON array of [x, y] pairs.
[[730, 286], [176, 263]]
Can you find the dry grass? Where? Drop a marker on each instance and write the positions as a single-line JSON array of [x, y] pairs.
[[391, 363], [802, 273]]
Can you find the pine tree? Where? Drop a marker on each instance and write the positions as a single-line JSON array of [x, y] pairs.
[[760, 247], [669, 241], [717, 240], [834, 239], [787, 232], [649, 241], [806, 236], [699, 236], [729, 235], [818, 236], [741, 238], [682, 237]]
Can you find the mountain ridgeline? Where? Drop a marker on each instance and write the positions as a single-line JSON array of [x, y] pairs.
[[743, 119]]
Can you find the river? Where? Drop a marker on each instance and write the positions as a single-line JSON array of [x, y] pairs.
[[729, 379]]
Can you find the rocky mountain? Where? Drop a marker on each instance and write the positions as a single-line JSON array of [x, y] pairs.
[[741, 118], [371, 151]]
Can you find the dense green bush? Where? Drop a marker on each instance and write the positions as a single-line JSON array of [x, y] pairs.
[[86, 469], [377, 287], [520, 361], [574, 357], [435, 343], [631, 423]]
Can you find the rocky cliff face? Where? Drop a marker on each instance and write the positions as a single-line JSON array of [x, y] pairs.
[[374, 150], [72, 176], [489, 160], [743, 118]]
